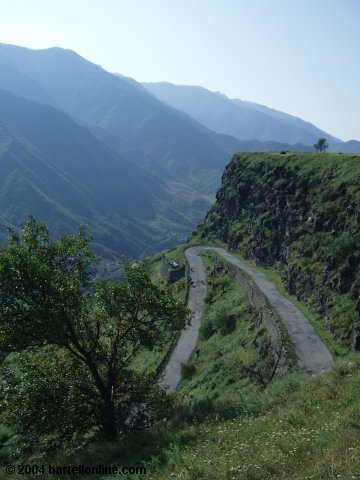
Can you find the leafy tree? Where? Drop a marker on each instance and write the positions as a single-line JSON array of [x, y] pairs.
[[321, 145], [80, 336]]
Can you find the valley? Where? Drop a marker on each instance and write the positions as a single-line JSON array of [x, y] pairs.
[[179, 258], [142, 170], [226, 392]]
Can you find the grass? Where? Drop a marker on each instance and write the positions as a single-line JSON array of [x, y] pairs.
[[301, 211], [305, 428], [151, 360], [224, 426], [232, 339], [154, 262], [334, 347], [317, 321], [145, 361], [298, 428]]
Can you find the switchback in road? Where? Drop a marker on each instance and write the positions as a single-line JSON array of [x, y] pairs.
[[311, 352]]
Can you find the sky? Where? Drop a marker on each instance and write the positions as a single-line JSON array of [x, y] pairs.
[[298, 56]]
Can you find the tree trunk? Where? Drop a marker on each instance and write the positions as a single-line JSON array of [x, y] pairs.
[[108, 414], [109, 421]]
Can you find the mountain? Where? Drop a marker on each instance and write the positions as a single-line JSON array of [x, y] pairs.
[[298, 213], [19, 83], [352, 146], [241, 119], [64, 175], [172, 145], [173, 164], [138, 172]]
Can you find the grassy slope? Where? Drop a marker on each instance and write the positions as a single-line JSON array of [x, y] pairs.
[[297, 213], [315, 318], [297, 428], [231, 337], [151, 360]]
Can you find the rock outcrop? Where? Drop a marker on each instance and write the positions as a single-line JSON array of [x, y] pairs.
[[299, 213]]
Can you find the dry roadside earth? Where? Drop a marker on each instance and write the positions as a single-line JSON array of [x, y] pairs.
[[312, 354]]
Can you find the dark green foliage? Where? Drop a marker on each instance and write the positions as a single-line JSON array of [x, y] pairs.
[[321, 145], [78, 340], [298, 212], [45, 400], [187, 371]]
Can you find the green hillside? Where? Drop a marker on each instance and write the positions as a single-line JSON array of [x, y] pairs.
[[223, 423], [60, 172], [299, 214], [173, 145]]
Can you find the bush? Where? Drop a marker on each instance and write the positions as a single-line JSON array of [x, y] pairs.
[[228, 325], [207, 328], [187, 371]]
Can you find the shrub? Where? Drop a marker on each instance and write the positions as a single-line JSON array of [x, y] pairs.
[[187, 371]]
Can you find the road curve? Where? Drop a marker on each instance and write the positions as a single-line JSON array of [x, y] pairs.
[[311, 353]]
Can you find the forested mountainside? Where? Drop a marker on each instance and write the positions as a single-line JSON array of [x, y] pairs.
[[124, 114], [145, 192], [298, 213], [60, 172]]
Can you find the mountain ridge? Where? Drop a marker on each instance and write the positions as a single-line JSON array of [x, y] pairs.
[[243, 119], [67, 185]]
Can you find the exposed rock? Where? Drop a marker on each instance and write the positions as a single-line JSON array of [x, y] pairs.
[[300, 211]]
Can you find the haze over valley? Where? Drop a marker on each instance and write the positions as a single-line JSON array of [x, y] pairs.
[[180, 239], [139, 166]]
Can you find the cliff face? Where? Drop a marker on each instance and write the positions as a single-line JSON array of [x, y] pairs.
[[299, 213]]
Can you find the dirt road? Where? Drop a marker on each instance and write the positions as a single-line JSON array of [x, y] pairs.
[[311, 353], [188, 337]]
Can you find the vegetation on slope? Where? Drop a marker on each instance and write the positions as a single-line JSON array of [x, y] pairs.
[[298, 213], [226, 426], [297, 428], [69, 343], [232, 343], [70, 178]]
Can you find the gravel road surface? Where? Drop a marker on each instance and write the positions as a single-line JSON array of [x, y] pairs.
[[312, 355], [188, 337]]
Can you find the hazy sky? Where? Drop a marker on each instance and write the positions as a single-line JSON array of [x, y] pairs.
[[298, 56]]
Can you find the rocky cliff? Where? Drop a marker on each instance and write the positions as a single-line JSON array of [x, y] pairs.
[[298, 213]]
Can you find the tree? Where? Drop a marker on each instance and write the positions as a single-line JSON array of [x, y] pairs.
[[265, 372], [49, 307], [321, 145]]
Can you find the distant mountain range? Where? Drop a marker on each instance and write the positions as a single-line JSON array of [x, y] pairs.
[[147, 190], [79, 145], [64, 175], [245, 120]]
